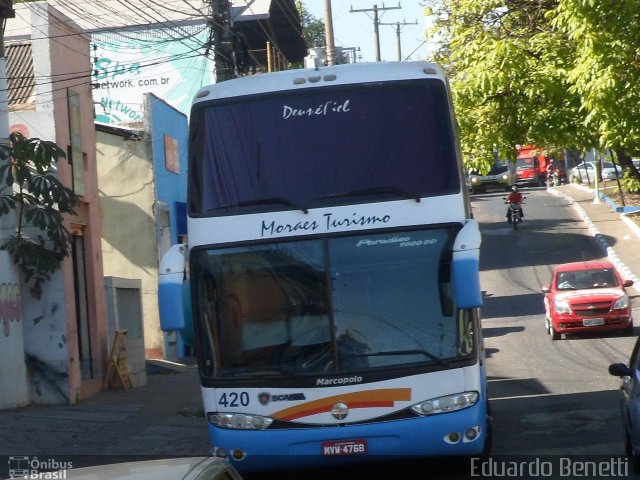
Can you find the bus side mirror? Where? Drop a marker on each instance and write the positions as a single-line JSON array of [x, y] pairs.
[[170, 287], [465, 269]]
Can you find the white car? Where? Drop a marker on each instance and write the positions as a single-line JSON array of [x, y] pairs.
[[586, 172], [501, 176], [187, 468]]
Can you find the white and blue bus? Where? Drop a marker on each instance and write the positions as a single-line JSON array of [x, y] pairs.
[[333, 267]]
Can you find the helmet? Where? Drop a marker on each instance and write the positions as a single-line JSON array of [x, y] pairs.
[[514, 188]]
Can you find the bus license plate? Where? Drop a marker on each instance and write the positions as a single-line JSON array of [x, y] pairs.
[[345, 447], [592, 322]]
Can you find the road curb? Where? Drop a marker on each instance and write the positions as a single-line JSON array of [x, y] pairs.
[[600, 240]]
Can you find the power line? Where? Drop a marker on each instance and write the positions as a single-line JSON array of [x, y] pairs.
[[399, 43]]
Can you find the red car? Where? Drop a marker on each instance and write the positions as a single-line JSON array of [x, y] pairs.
[[587, 297]]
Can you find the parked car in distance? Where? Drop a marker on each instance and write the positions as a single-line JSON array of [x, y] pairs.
[[630, 407], [501, 177], [586, 297], [186, 468], [586, 172]]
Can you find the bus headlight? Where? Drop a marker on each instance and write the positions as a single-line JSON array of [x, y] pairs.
[[448, 403], [239, 421]]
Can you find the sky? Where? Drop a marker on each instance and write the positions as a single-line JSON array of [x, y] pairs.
[[355, 29]]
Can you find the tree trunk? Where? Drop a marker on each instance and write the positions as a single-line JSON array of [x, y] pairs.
[[625, 161]]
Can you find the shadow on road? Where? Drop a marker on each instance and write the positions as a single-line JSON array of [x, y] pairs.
[[488, 332], [524, 305]]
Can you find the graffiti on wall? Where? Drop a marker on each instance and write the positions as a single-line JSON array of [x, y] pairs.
[[10, 306]]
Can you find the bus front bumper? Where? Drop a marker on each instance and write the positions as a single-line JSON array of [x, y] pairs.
[[450, 434]]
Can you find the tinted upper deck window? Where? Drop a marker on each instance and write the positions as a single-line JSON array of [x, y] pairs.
[[311, 147]]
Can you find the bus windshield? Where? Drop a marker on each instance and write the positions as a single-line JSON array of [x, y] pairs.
[[329, 305], [320, 147]]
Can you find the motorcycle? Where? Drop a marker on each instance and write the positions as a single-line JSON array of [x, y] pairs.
[[553, 179], [515, 213]]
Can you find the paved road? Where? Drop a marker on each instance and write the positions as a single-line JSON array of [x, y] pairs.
[[548, 397]]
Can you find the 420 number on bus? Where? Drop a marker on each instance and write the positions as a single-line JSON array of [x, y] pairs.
[[234, 399]]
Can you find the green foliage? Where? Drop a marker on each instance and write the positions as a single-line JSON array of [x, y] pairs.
[[312, 28], [508, 67], [561, 74], [630, 183], [606, 69], [30, 188]]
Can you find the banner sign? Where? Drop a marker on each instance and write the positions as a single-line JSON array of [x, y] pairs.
[[171, 63]]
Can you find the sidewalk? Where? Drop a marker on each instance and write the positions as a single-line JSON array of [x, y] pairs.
[[617, 235], [163, 418]]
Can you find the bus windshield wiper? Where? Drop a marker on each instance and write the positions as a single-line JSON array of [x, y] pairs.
[[377, 190], [262, 201], [429, 355], [271, 372], [270, 201]]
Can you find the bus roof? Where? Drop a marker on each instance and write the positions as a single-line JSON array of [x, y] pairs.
[[320, 77]]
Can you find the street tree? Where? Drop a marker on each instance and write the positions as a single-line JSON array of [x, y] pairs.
[[508, 65], [605, 71], [31, 191], [313, 29]]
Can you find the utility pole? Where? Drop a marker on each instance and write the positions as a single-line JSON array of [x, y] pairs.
[[398, 25], [222, 40], [6, 12], [376, 22], [328, 33]]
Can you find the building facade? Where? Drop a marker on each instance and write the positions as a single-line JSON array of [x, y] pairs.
[[142, 179], [65, 340]]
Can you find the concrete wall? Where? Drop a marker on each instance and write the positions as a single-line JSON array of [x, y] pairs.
[[124, 312], [61, 55], [14, 390], [129, 242], [142, 177], [169, 133]]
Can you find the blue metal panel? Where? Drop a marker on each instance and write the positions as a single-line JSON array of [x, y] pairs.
[[171, 186], [418, 437]]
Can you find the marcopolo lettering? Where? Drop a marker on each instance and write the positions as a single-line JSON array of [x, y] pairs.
[[338, 381]]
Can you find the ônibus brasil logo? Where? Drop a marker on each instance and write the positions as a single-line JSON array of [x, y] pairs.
[[35, 468]]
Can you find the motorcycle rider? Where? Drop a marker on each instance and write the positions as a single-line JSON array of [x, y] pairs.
[[515, 197], [552, 173]]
